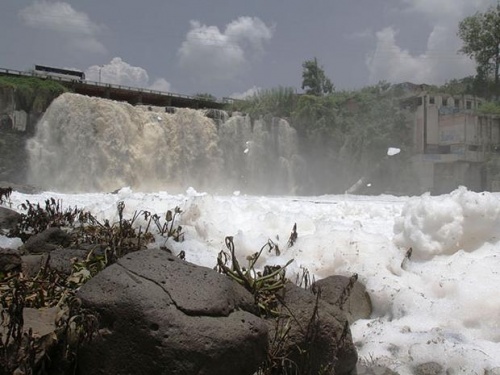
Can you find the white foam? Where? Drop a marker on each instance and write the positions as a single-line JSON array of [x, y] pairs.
[[444, 306]]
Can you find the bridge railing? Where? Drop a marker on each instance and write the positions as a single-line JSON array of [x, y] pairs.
[[104, 85]]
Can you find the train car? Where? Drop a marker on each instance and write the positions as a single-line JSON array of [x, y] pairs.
[[59, 72]]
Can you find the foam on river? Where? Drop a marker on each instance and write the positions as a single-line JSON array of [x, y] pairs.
[[443, 306]]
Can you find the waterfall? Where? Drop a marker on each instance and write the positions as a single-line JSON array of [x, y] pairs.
[[88, 144]]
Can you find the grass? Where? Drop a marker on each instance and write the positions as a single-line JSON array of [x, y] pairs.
[[490, 108], [285, 356], [32, 93], [22, 82]]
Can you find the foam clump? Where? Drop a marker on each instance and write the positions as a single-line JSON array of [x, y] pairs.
[[442, 225], [10, 243]]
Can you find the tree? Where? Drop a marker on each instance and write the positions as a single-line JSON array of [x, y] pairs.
[[279, 102], [314, 79], [480, 34], [205, 96]]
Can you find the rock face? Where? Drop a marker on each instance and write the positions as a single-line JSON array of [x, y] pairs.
[[46, 241], [162, 315], [323, 335], [8, 218], [21, 108], [9, 259], [61, 260], [357, 306]]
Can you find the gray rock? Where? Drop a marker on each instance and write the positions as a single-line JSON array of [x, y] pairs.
[[62, 260], [9, 259], [492, 371], [31, 264], [162, 315], [357, 306], [8, 218], [429, 368], [46, 241], [42, 324], [321, 345]]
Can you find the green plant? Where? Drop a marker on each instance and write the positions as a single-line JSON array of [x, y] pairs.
[[490, 108], [263, 286], [20, 350], [5, 194], [293, 236], [268, 289], [37, 218], [33, 93], [167, 228], [314, 79], [480, 34], [277, 102]]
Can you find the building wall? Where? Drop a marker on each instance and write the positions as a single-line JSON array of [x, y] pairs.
[[452, 143], [452, 129], [432, 124]]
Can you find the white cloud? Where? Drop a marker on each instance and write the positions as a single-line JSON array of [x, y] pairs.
[[161, 84], [119, 72], [243, 95], [210, 54], [249, 30], [61, 18], [440, 61]]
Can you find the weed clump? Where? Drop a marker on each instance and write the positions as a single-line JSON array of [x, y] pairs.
[[269, 287], [5, 194], [21, 349]]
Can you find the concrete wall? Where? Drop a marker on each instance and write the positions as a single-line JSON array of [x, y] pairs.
[[452, 129], [424, 172], [452, 143]]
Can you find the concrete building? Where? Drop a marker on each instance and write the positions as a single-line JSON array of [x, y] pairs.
[[453, 143]]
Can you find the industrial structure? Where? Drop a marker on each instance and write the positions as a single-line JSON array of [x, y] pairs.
[[454, 143]]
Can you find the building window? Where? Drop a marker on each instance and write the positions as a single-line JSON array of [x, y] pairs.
[[468, 104], [457, 103], [431, 100]]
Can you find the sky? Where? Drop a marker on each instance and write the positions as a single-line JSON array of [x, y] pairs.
[[441, 305], [231, 48]]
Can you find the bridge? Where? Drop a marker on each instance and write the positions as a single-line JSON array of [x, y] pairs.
[[132, 95]]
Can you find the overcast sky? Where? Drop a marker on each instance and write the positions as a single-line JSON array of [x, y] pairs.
[[228, 47]]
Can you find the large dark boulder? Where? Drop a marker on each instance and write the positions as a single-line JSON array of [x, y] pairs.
[[62, 260], [8, 219], [357, 306], [319, 339], [31, 264], [9, 259], [162, 315], [45, 242]]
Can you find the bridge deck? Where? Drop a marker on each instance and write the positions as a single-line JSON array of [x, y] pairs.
[[128, 94]]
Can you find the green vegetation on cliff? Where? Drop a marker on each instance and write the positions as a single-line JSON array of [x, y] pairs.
[[32, 94], [343, 134]]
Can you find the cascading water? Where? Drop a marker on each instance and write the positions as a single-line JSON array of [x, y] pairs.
[[85, 144]]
